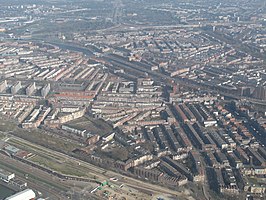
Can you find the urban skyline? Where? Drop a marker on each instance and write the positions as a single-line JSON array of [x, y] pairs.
[[133, 99]]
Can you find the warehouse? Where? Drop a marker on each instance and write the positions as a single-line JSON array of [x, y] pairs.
[[27, 194]]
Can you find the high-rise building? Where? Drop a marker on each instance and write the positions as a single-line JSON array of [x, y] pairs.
[[15, 88], [3, 86], [30, 89], [260, 93], [45, 90]]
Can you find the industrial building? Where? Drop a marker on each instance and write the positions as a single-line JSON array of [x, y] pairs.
[[27, 194], [6, 176]]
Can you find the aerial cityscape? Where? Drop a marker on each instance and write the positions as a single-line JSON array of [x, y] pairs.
[[133, 99]]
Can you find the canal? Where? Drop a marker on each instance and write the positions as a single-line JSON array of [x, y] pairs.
[[5, 192]]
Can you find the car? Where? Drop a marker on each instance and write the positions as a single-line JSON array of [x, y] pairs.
[[113, 179]]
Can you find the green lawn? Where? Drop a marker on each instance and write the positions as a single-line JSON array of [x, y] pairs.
[[2, 135], [7, 125], [41, 137], [67, 167]]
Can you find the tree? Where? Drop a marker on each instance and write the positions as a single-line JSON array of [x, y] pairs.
[[119, 153]]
